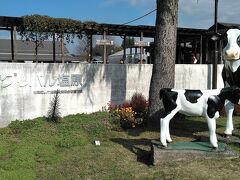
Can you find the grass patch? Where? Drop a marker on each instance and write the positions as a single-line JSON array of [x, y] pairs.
[[37, 149]]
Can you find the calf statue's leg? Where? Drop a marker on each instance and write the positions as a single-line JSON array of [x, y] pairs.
[[168, 137], [229, 107], [212, 131], [164, 122]]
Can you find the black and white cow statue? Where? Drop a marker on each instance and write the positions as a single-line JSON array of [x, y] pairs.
[[231, 71], [205, 103]]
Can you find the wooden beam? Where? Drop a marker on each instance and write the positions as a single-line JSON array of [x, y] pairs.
[[221, 51], [90, 39], [13, 42], [201, 50], [124, 49], [141, 49], [54, 48], [62, 47], [207, 50], [104, 49]]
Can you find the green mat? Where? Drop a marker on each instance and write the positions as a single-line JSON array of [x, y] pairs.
[[200, 146]]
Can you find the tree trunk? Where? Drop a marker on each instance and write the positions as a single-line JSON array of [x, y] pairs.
[[163, 72]]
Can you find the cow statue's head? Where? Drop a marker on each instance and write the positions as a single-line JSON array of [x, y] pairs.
[[231, 44]]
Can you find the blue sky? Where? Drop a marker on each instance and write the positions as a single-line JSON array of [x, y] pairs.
[[192, 13]]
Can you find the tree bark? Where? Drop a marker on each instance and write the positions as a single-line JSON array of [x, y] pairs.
[[163, 72]]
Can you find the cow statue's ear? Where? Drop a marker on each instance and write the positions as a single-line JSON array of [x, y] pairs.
[[224, 39], [235, 27], [216, 36]]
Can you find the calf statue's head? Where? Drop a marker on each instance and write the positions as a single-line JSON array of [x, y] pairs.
[[231, 45]]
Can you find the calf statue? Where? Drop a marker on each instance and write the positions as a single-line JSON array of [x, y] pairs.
[[205, 103], [231, 71]]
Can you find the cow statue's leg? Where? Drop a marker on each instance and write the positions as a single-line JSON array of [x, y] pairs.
[[164, 122], [229, 107], [168, 137], [212, 131]]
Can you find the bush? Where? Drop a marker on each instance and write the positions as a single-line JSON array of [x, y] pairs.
[[130, 113], [112, 107], [139, 105], [54, 114], [125, 104], [127, 117]]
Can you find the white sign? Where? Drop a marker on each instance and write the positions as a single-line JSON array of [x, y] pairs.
[[142, 44], [104, 42]]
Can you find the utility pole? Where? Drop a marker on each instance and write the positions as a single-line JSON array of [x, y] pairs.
[[215, 59]]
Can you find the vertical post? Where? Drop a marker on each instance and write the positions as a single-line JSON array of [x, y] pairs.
[[13, 42], [124, 49], [104, 49], [201, 50], [62, 47], [90, 47], [184, 52], [141, 49], [221, 51], [215, 59], [206, 58], [131, 54], [54, 48], [135, 53], [36, 48], [178, 61]]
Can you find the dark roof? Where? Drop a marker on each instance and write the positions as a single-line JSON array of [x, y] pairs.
[[223, 26], [46, 47], [111, 29], [25, 50], [7, 21]]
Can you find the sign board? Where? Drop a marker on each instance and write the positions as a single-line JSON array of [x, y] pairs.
[[105, 42], [142, 44]]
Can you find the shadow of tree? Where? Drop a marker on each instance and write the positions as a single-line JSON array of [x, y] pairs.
[[140, 147]]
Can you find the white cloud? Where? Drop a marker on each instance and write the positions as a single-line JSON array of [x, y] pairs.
[[196, 14], [200, 14], [192, 13], [229, 11], [134, 3], [141, 2]]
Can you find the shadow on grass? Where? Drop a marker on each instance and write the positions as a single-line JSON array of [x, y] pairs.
[[138, 147], [183, 126], [180, 125], [139, 130], [187, 127]]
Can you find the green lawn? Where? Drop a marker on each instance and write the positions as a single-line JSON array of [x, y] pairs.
[[36, 149]]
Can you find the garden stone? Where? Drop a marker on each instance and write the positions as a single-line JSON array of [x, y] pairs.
[[188, 151]]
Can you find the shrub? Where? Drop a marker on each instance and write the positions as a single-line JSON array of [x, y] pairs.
[[112, 107], [130, 113], [139, 105], [127, 117], [54, 114], [125, 104]]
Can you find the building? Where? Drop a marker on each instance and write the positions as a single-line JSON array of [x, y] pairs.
[[26, 51], [189, 41], [132, 56]]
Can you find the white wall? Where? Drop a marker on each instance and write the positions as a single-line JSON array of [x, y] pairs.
[[196, 76], [27, 89]]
